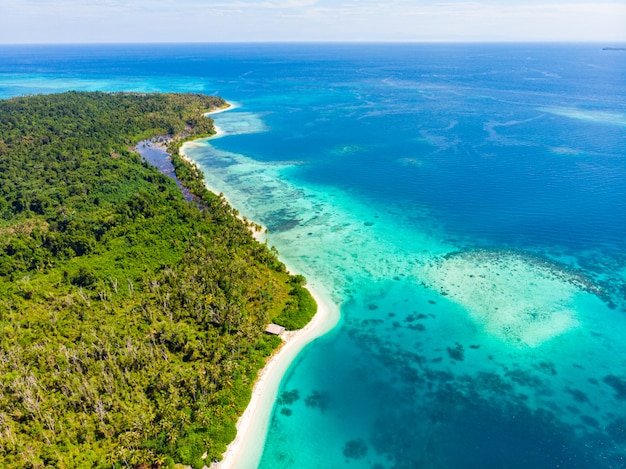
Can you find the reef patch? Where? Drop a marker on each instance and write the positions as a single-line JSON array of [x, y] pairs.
[[522, 299]]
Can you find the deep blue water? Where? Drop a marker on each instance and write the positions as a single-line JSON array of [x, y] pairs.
[[464, 204]]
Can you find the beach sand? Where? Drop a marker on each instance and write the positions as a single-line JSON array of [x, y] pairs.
[[245, 451], [231, 105]]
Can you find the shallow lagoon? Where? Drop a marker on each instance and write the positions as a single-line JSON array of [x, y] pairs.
[[442, 354]]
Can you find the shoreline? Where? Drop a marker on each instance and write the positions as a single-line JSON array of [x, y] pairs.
[[252, 425], [231, 105], [218, 132]]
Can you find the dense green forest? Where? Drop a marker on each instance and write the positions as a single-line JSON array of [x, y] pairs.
[[131, 320]]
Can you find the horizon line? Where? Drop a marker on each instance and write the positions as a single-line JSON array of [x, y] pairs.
[[425, 41]]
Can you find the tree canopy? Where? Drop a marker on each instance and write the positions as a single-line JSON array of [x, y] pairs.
[[131, 320]]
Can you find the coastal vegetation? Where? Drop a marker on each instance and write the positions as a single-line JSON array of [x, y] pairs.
[[131, 320]]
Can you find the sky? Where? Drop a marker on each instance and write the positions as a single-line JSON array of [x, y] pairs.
[[124, 21]]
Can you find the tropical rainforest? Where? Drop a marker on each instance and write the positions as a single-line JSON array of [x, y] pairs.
[[131, 319]]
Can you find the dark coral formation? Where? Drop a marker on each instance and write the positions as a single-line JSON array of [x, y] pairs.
[[457, 353], [355, 449], [619, 386], [288, 397], [578, 395], [318, 399]]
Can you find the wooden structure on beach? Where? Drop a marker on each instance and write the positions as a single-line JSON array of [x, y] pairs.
[[274, 329]]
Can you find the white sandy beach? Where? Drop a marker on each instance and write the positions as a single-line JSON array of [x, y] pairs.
[[231, 105], [218, 132], [246, 449]]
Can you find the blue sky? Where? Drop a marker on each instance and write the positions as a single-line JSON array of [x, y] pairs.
[[79, 21]]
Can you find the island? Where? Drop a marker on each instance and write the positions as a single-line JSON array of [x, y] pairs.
[[132, 319]]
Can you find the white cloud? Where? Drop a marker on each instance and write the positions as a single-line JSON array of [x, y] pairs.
[[310, 20]]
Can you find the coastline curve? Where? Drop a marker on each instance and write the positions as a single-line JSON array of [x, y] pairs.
[[245, 451]]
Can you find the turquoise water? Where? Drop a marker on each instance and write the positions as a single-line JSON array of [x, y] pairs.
[[466, 207]]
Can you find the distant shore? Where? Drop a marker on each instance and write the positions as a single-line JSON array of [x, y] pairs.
[[245, 451]]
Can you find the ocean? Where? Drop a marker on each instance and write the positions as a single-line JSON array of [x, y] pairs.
[[464, 204]]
